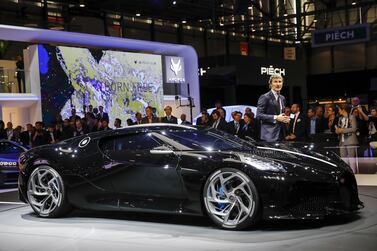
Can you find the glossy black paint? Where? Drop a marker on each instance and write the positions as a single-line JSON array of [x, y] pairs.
[[311, 185]]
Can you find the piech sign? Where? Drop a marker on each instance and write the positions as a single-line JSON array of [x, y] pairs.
[[272, 71], [343, 35], [174, 70]]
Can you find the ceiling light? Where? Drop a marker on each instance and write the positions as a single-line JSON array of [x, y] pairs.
[[315, 20], [82, 5], [184, 21], [353, 3], [249, 8], [285, 14], [138, 14], [174, 2]]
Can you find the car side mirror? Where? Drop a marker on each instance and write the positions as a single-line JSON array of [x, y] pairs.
[[161, 150]]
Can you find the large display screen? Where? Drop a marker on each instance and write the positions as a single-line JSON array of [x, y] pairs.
[[122, 82]]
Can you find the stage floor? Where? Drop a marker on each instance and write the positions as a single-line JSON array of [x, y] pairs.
[[20, 230]]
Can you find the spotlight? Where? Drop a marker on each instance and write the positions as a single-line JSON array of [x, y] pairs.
[[184, 21], [174, 2], [138, 14], [354, 3], [82, 3]]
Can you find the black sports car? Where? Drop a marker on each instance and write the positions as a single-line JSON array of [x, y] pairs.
[[185, 170]]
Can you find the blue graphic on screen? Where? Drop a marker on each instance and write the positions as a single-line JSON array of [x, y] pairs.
[[123, 83]]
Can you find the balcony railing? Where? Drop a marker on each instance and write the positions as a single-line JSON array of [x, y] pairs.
[[13, 81]]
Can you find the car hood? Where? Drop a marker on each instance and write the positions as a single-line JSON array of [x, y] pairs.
[[300, 157]]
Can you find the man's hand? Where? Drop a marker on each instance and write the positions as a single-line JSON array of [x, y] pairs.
[[339, 130], [283, 118]]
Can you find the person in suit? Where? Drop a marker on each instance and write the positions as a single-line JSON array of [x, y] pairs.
[[218, 122], [234, 127], [183, 119], [138, 118], [270, 111], [105, 125], [39, 136], [170, 119], [313, 125], [346, 130], [26, 137], [149, 118], [297, 125], [101, 114], [66, 132], [51, 135], [74, 116], [248, 129]]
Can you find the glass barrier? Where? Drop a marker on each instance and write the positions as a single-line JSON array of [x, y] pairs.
[[13, 81]]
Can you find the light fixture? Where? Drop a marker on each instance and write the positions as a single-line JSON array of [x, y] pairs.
[[315, 20], [285, 14], [184, 21], [354, 3], [174, 2], [138, 14], [82, 4], [249, 8]]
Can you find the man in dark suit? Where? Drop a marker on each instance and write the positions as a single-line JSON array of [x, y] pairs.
[[234, 127], [313, 125], [218, 122], [26, 137], [183, 119], [149, 118], [170, 119], [270, 111], [101, 114], [297, 125]]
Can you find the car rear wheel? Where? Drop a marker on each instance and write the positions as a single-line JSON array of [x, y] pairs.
[[46, 193], [231, 199]]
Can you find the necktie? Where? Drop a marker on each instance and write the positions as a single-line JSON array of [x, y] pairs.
[[236, 126], [279, 104], [294, 123]]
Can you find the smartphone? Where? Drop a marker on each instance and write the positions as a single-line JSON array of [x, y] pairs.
[[292, 116]]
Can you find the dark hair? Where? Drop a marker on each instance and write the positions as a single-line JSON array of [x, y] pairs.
[[247, 115], [119, 120], [345, 107]]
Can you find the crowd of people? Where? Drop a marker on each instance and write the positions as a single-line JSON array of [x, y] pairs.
[[310, 126]]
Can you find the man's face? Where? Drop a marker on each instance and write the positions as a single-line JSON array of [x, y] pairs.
[[168, 111], [29, 128], [78, 124], [66, 123], [100, 109], [116, 123], [149, 112], [73, 112], [138, 116], [104, 123], [38, 126], [237, 117], [183, 117], [90, 108], [310, 113], [214, 116], [277, 84], [355, 101], [222, 114], [294, 108], [319, 111], [330, 111], [248, 110], [9, 125], [373, 112]]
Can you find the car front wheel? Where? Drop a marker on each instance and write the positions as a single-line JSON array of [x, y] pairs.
[[46, 193], [231, 199]]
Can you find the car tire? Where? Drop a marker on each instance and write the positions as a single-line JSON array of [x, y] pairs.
[[46, 193], [231, 199]]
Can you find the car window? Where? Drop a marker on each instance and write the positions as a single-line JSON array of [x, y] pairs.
[[9, 148], [204, 140], [133, 142]]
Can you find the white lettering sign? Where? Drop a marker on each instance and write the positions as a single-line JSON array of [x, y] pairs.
[[272, 71], [336, 36]]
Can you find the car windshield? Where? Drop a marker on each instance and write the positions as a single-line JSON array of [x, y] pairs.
[[207, 140]]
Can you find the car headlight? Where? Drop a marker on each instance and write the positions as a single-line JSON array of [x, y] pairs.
[[262, 165]]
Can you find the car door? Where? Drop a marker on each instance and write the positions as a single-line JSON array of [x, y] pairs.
[[146, 171]]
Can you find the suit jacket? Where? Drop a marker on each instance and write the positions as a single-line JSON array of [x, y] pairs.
[[26, 139], [146, 121], [49, 138], [268, 107], [318, 126], [185, 123], [349, 132], [248, 130], [299, 128], [222, 125], [232, 129], [173, 120]]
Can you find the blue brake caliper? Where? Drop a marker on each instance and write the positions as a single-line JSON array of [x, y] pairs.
[[222, 196]]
